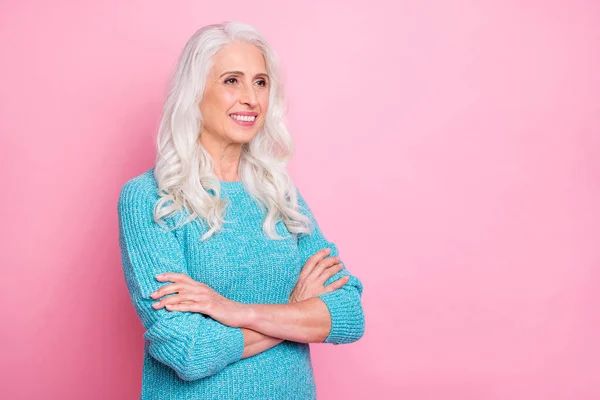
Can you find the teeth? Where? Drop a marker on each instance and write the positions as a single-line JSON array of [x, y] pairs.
[[247, 118]]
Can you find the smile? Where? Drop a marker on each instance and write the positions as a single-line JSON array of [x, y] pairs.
[[243, 120], [247, 118]]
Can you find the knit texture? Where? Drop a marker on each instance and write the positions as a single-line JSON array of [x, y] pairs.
[[192, 356]]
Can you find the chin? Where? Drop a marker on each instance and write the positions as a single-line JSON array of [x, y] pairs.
[[242, 138]]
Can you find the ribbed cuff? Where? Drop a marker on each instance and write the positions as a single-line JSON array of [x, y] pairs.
[[229, 347], [347, 320], [237, 345], [220, 351]]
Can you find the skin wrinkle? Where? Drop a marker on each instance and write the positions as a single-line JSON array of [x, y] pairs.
[[230, 88], [221, 136], [243, 292]]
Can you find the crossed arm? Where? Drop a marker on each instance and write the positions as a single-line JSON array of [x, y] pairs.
[[269, 324], [263, 325], [196, 346]]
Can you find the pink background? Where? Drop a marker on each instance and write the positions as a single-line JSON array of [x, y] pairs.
[[450, 149]]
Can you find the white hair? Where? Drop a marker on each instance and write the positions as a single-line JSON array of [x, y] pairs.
[[184, 169]]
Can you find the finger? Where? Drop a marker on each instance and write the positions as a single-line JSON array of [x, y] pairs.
[[183, 306], [314, 259], [158, 305], [172, 276], [319, 255], [337, 284], [178, 307], [163, 302], [310, 263], [178, 298], [329, 272], [167, 289], [325, 263]]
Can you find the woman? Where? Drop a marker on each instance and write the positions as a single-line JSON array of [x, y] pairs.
[[224, 261]]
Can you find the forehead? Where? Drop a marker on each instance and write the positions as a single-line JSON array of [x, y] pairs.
[[239, 56]]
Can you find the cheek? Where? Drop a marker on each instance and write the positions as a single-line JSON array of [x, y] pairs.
[[228, 98], [219, 101], [264, 101]]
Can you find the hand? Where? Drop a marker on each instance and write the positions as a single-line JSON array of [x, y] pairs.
[[315, 273], [197, 297]]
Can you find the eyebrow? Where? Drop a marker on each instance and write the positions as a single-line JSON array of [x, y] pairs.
[[241, 73]]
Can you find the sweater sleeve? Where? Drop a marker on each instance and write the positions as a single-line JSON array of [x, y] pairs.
[[192, 344], [344, 304]]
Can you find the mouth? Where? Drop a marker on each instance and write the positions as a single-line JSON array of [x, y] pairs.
[[244, 120]]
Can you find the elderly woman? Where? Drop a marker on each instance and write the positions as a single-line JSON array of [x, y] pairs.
[[225, 264]]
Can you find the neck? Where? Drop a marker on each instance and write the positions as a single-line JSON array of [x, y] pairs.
[[225, 157]]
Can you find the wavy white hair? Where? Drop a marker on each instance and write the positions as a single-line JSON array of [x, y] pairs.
[[184, 169]]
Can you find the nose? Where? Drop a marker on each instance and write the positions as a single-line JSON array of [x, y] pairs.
[[248, 97]]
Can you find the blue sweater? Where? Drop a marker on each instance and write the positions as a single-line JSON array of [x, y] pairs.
[[192, 356]]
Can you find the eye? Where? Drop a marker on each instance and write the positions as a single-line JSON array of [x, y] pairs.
[[230, 79], [262, 82]]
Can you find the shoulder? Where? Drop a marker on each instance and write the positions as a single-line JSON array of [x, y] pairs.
[[138, 192], [302, 205]]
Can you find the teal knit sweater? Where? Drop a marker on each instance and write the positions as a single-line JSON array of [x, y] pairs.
[[192, 356]]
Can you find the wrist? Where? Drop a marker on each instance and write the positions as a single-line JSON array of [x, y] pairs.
[[250, 315]]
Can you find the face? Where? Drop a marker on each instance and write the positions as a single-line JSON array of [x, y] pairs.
[[236, 96]]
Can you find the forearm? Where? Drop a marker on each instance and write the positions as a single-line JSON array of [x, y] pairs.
[[256, 342], [308, 321]]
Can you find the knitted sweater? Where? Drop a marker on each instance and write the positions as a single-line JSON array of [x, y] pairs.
[[189, 355]]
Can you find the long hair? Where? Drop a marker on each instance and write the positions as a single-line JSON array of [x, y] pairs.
[[184, 169]]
